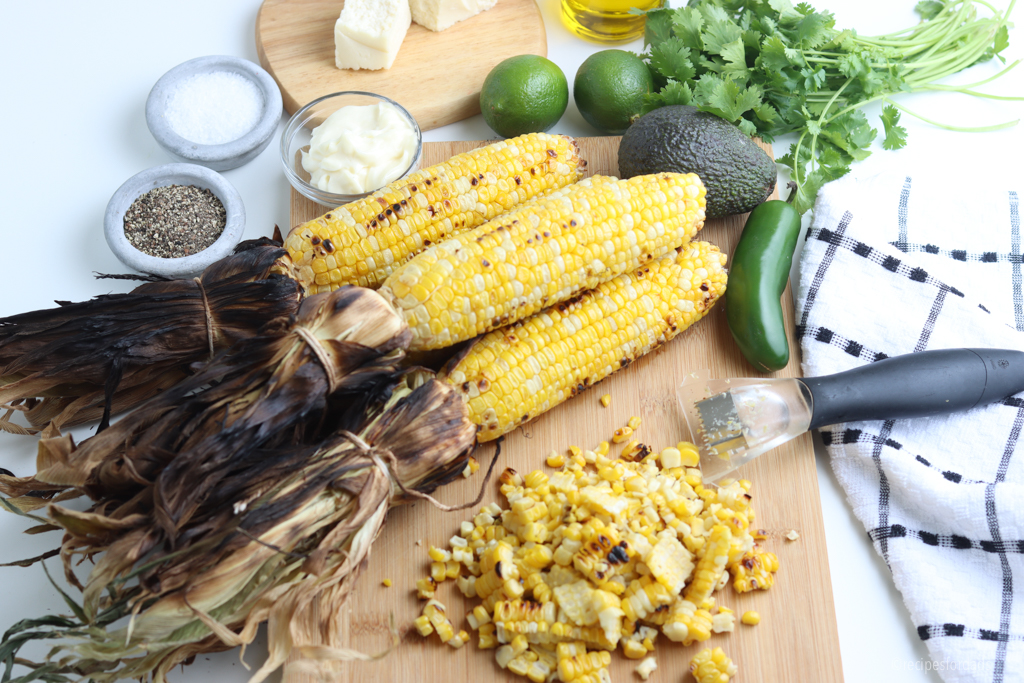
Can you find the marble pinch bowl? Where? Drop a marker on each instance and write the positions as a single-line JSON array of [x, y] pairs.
[[162, 176], [230, 154]]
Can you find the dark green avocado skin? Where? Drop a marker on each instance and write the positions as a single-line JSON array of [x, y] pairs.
[[738, 174]]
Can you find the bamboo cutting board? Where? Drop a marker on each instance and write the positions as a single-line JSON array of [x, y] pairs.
[[436, 76], [797, 639]]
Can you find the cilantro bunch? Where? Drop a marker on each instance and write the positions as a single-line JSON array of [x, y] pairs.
[[774, 68]]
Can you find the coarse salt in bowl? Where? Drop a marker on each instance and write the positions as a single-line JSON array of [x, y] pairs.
[[217, 111], [299, 131]]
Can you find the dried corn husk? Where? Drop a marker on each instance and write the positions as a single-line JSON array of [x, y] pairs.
[[261, 392], [85, 361], [293, 528]]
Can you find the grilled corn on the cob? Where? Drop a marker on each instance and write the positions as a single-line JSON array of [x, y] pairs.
[[511, 375], [542, 254], [362, 242]]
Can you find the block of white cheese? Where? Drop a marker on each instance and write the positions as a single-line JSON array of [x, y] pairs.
[[437, 15], [368, 33]]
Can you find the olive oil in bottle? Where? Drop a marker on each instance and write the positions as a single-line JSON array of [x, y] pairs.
[[606, 21]]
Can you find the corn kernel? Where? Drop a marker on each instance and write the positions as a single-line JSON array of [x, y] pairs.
[[439, 555], [438, 571], [602, 448], [555, 459], [689, 453], [423, 626], [386, 583], [751, 618], [606, 400], [622, 434], [633, 422]]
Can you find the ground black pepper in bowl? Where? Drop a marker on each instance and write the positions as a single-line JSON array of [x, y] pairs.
[[174, 221]]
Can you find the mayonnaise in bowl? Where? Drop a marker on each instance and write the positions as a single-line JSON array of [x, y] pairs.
[[360, 149]]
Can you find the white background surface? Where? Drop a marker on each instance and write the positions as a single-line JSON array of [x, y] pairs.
[[74, 78]]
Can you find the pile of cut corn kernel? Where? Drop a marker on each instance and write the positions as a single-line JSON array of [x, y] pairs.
[[599, 556]]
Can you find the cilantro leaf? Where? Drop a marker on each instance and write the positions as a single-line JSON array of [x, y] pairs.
[[719, 34], [658, 27], [807, 192], [688, 25], [673, 93], [775, 56], [815, 29], [895, 135], [929, 9], [735, 56], [671, 59], [813, 78], [747, 127], [723, 97]]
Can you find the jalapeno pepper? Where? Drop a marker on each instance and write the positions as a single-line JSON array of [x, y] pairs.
[[757, 278]]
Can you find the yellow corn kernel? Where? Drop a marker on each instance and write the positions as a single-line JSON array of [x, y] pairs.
[[363, 242], [425, 588], [622, 434], [472, 465], [519, 645], [710, 567], [633, 649], [535, 479], [606, 400], [459, 639], [386, 583], [573, 668], [487, 637], [712, 666], [636, 484], [438, 571], [538, 557], [602, 448], [751, 618], [670, 457], [452, 569], [439, 555], [633, 422], [423, 626], [555, 459]]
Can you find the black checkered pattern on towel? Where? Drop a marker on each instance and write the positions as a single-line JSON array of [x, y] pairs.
[[890, 266]]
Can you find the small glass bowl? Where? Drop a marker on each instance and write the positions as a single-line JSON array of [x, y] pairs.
[[299, 130]]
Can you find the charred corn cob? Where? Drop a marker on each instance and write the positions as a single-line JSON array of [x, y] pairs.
[[543, 253], [712, 666], [514, 374], [363, 242]]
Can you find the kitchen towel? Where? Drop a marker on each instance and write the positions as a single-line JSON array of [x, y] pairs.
[[899, 263]]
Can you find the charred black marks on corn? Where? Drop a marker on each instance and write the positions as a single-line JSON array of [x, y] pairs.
[[552, 153], [519, 181], [474, 182], [328, 246], [618, 555], [315, 240]]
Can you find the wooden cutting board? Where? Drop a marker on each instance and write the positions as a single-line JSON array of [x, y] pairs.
[[436, 76], [797, 639]]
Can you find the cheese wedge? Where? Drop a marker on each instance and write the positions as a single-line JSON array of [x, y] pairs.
[[368, 33], [437, 15]]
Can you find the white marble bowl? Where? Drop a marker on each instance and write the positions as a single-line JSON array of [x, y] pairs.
[[162, 176], [230, 154]]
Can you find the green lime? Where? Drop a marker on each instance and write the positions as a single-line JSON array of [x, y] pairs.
[[609, 89], [524, 94]]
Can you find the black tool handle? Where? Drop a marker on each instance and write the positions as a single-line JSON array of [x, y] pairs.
[[916, 385]]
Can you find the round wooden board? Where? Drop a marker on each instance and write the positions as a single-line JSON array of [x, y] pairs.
[[436, 76]]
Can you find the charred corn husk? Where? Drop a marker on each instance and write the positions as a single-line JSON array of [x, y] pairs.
[[712, 666], [90, 360], [363, 242], [543, 253], [514, 374], [279, 534], [627, 546], [254, 395]]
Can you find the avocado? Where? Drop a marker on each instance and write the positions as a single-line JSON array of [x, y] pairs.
[[738, 174]]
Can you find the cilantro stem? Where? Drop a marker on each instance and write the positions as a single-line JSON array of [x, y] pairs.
[[978, 129]]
